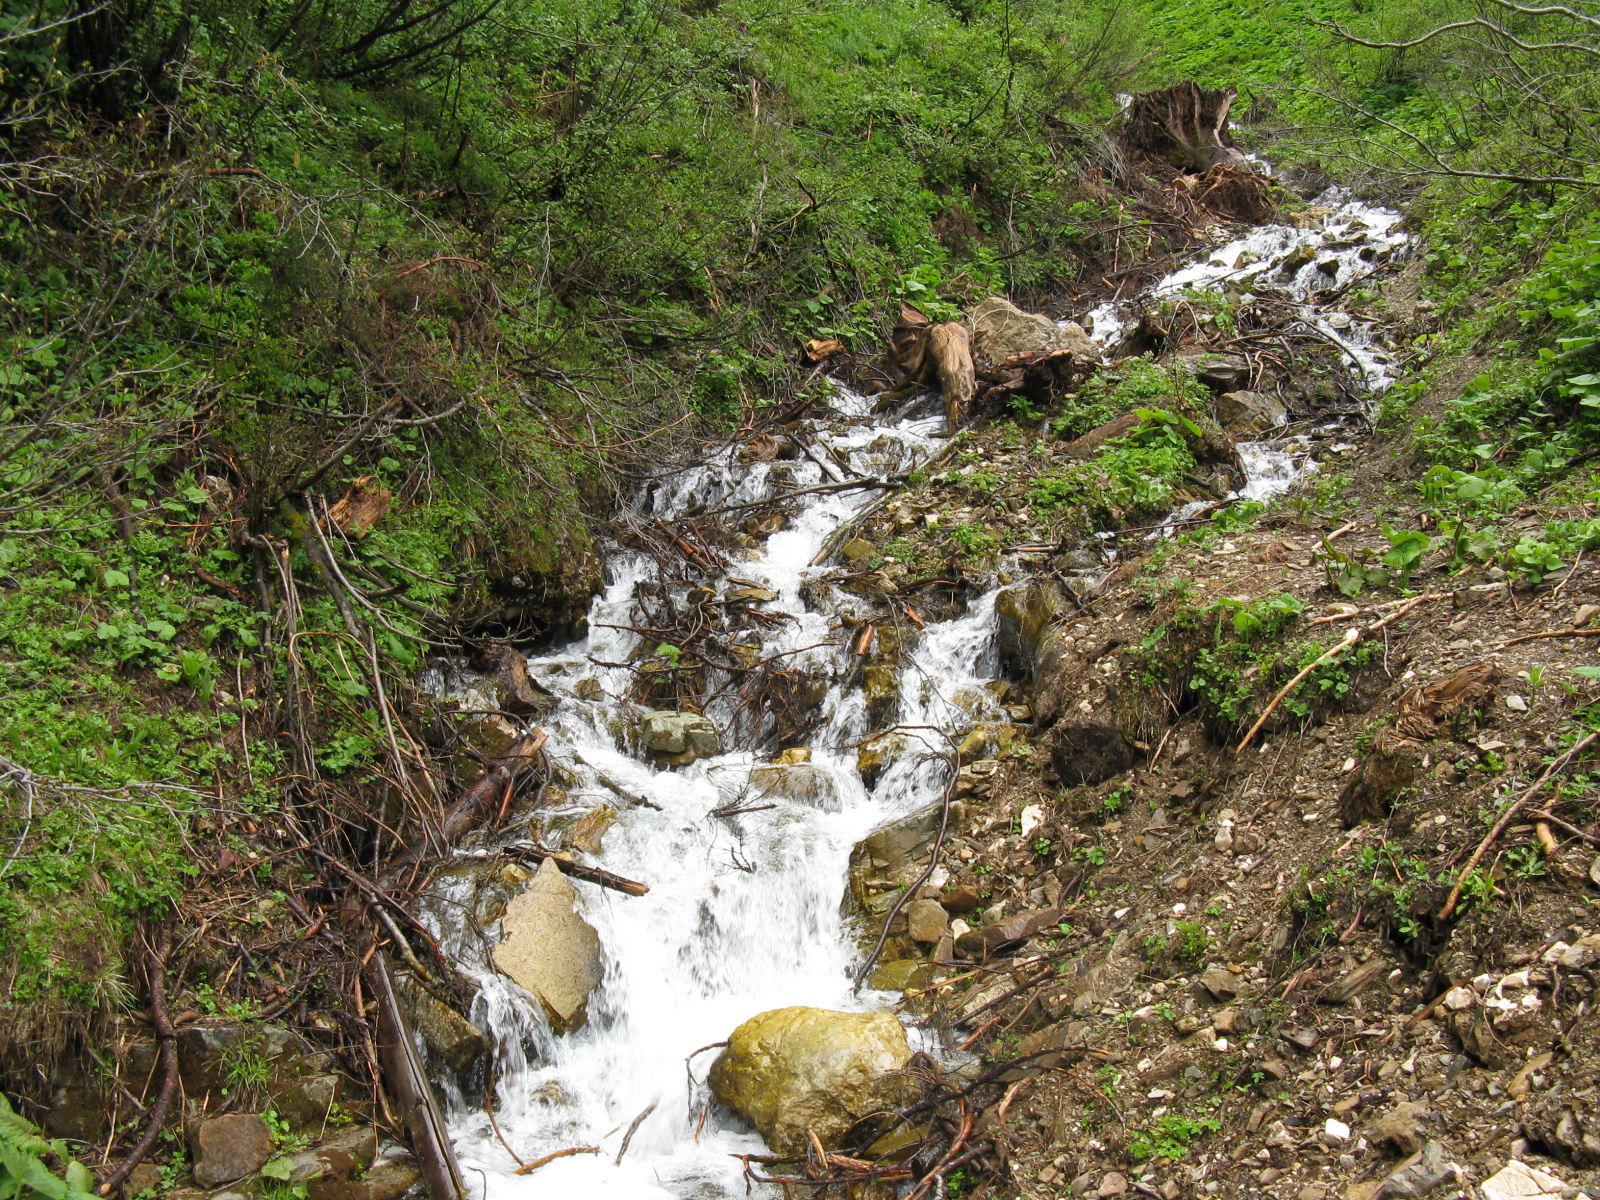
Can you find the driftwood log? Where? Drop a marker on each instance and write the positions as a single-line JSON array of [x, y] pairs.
[[403, 1073], [1187, 125], [941, 354]]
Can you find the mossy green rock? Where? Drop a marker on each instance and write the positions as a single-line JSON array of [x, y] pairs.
[[794, 1069]]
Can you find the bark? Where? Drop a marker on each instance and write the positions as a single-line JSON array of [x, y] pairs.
[[950, 346], [1187, 125], [408, 1085]]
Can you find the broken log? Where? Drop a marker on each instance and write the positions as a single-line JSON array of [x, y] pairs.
[[528, 852], [1187, 125], [473, 808], [950, 345], [408, 1084]]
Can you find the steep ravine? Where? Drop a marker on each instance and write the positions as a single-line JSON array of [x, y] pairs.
[[747, 858]]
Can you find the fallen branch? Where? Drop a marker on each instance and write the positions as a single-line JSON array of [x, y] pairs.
[[1554, 633], [536, 854], [1352, 638], [167, 1050], [1565, 826], [550, 1158], [1505, 819]]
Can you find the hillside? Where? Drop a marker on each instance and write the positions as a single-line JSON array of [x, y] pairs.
[[353, 353]]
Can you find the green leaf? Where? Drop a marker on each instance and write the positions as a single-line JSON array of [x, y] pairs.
[[278, 1168], [114, 578]]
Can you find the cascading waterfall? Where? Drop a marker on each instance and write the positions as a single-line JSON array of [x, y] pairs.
[[744, 914]]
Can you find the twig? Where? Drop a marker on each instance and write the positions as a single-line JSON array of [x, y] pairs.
[[1554, 633], [1351, 638], [1564, 826], [1506, 819], [633, 1129], [588, 874], [549, 1158]]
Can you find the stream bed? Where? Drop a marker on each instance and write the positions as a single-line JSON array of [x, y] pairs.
[[744, 910]]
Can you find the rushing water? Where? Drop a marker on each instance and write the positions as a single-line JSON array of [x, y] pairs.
[[743, 913]]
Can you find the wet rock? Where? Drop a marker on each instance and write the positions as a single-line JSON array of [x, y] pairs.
[[519, 692], [804, 782], [927, 921], [549, 950], [978, 943], [794, 754], [389, 1180], [1219, 372], [1087, 752], [1250, 412], [858, 550], [229, 1147], [1296, 260], [880, 686], [899, 974], [874, 756], [77, 1103], [797, 1069], [451, 1040], [684, 736], [1024, 613], [588, 832]]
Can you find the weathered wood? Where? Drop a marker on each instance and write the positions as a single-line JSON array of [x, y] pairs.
[[410, 1090], [471, 810], [1187, 125], [528, 852], [950, 345]]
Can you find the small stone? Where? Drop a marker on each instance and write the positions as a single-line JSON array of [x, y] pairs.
[[961, 899], [794, 754], [1114, 1184], [1400, 1125], [1458, 998], [229, 1147], [1518, 1181], [1311, 1191], [1224, 1020], [927, 920], [1516, 703], [1220, 982], [1336, 1130], [389, 1180], [1585, 952], [857, 549]]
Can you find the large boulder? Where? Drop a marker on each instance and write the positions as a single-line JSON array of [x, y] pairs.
[[550, 951], [797, 1069], [1001, 331]]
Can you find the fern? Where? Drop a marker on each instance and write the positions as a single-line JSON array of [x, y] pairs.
[[23, 1174]]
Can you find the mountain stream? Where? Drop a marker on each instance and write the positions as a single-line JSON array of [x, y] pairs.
[[743, 913]]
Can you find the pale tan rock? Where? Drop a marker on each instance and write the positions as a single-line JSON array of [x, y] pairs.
[[927, 921], [549, 950]]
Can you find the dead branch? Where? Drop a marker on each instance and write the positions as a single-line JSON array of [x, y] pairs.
[[1506, 819], [167, 1050]]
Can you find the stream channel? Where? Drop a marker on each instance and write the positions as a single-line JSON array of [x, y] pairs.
[[744, 912]]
